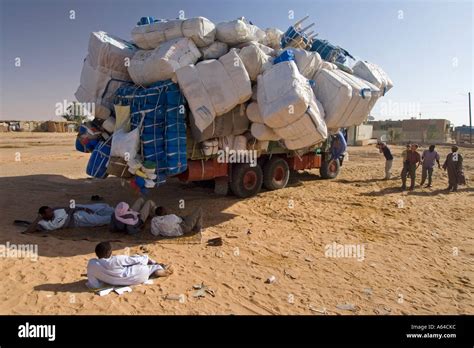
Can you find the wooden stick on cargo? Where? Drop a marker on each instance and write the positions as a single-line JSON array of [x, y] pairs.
[[301, 21], [306, 28]]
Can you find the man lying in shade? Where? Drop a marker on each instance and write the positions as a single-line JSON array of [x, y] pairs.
[[82, 215]]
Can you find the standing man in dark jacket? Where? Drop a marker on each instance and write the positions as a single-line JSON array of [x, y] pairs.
[[413, 159], [453, 165], [383, 148]]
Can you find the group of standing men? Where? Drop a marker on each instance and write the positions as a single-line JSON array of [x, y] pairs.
[[412, 160]]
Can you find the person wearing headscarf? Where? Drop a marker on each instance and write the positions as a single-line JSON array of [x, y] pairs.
[[453, 165], [131, 220]]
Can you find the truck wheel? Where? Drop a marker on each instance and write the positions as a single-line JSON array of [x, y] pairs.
[[221, 186], [276, 173], [329, 169], [246, 180]]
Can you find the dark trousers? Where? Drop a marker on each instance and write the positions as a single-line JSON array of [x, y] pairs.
[[193, 222], [409, 169], [426, 172]]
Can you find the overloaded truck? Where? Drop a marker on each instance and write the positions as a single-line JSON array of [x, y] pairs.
[[272, 168], [192, 94]]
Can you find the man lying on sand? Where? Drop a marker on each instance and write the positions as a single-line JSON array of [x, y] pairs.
[[170, 225], [83, 215], [121, 269], [131, 220]]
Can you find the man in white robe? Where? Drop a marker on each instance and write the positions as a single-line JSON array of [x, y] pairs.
[[121, 269]]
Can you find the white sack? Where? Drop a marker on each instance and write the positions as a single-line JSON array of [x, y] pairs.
[[236, 70], [263, 133], [273, 37], [308, 63], [328, 65], [317, 129], [253, 113], [125, 144], [214, 50], [98, 86], [373, 74], [109, 51], [214, 87], [283, 94], [311, 123], [255, 61], [235, 32], [233, 142], [147, 67], [346, 99], [200, 29], [151, 35]]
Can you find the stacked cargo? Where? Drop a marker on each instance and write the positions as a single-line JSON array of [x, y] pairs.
[[187, 88]]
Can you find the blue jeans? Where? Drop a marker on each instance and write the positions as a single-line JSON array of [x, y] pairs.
[[101, 215]]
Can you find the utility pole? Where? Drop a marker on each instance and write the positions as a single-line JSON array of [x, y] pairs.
[[470, 119]]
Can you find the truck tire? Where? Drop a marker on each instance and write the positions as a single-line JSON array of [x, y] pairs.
[[246, 180], [329, 169], [276, 173], [221, 186]]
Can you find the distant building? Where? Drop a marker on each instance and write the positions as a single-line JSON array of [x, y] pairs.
[[415, 130], [37, 126], [389, 130], [462, 134], [359, 135]]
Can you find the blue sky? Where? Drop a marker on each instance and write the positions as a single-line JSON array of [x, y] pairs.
[[425, 46]]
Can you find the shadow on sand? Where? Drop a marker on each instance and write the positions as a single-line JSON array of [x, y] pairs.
[[23, 195], [415, 192], [78, 286]]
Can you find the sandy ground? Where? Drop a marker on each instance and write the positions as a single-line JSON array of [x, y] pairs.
[[418, 246]]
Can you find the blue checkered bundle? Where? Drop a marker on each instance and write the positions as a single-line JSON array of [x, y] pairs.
[[163, 133]]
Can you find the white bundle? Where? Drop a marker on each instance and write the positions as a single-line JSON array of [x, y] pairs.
[[328, 65], [151, 35], [373, 74], [253, 113], [273, 37], [308, 63], [214, 87], [109, 51], [200, 29], [98, 86], [311, 123], [235, 32], [283, 94], [263, 133], [347, 99], [161, 63], [255, 61], [215, 50], [311, 129], [233, 142], [267, 50]]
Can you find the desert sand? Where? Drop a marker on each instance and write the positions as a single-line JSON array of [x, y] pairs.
[[418, 246]]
